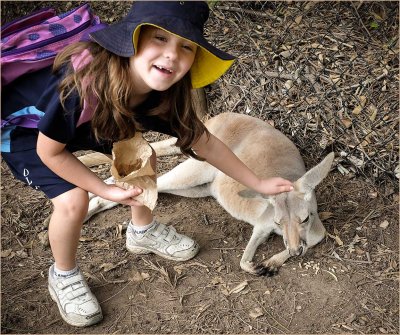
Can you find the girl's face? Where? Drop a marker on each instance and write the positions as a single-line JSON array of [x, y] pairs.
[[161, 60]]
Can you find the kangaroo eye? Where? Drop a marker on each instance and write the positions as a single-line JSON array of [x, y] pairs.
[[277, 223], [306, 219]]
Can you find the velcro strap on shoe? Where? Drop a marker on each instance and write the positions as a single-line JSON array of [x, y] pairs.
[[76, 293], [70, 281], [171, 234], [158, 231]]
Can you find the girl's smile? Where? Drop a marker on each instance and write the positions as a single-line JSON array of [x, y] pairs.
[[161, 60]]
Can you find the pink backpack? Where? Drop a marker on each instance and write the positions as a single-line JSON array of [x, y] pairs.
[[32, 42]]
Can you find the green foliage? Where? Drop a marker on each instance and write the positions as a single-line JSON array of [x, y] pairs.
[[212, 3], [374, 25]]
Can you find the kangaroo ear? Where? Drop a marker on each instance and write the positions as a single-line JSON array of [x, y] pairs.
[[313, 177], [250, 194]]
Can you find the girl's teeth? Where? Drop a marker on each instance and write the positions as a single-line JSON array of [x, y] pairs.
[[163, 69]]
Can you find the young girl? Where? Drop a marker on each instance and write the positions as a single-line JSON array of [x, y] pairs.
[[133, 75]]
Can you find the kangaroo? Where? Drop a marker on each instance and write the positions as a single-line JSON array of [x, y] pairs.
[[269, 153]]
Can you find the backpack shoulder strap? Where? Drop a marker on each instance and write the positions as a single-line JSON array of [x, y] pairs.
[[26, 21]]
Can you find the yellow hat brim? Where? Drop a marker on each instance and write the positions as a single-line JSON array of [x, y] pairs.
[[206, 67]]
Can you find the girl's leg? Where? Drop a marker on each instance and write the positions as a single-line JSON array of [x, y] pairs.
[[76, 303], [70, 208], [146, 235], [66, 283]]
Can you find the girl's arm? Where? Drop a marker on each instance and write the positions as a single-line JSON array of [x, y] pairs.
[[68, 167], [219, 155]]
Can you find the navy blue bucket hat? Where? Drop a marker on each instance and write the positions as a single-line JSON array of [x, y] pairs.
[[183, 18]]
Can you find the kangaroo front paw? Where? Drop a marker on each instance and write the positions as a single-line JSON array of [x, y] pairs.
[[248, 267], [266, 271]]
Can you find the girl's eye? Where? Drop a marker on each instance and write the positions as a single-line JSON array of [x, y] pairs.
[[161, 38], [188, 47]]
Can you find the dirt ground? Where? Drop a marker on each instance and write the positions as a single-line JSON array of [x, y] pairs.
[[349, 283]]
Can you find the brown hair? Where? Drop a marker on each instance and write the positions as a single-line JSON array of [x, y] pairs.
[[112, 87]]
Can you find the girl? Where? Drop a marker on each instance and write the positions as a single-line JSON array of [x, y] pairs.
[[133, 75]]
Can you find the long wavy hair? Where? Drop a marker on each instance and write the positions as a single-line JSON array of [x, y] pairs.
[[107, 78]]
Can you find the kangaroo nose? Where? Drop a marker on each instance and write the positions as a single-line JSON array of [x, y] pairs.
[[296, 252]]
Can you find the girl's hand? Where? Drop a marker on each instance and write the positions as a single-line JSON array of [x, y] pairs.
[[121, 195], [275, 185]]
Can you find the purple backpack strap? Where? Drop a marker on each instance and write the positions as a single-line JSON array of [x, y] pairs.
[[27, 21], [26, 121]]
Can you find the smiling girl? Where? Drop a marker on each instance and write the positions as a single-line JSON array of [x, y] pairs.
[[135, 75]]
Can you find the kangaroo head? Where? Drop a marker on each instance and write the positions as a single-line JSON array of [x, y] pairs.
[[294, 212]]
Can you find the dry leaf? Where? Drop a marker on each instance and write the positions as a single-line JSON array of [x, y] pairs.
[[107, 266], [92, 277], [216, 281], [225, 292], [357, 110], [346, 122], [310, 4], [239, 287], [298, 19], [288, 84], [335, 78], [374, 111], [317, 46], [384, 224], [21, 253], [119, 230], [362, 100], [336, 238], [145, 275], [256, 312], [325, 215], [286, 53], [110, 266], [43, 237], [138, 277], [85, 239], [7, 253]]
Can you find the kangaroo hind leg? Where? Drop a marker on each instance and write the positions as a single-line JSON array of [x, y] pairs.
[[189, 179]]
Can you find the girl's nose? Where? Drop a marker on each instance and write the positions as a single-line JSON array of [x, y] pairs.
[[171, 52]]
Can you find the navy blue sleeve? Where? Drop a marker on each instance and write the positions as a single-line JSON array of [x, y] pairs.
[[58, 123]]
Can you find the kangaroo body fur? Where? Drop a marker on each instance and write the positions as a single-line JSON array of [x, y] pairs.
[[268, 153]]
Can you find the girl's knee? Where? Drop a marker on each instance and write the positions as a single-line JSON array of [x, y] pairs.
[[73, 203]]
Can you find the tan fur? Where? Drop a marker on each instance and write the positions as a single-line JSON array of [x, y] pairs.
[[268, 153]]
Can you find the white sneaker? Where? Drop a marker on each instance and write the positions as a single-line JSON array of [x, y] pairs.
[[77, 304], [163, 241]]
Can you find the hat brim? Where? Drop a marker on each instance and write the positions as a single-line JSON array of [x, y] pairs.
[[210, 63], [116, 38]]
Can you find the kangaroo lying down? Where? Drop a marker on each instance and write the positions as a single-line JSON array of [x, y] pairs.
[[268, 153]]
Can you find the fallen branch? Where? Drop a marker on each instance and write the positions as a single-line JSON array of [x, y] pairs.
[[248, 11]]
